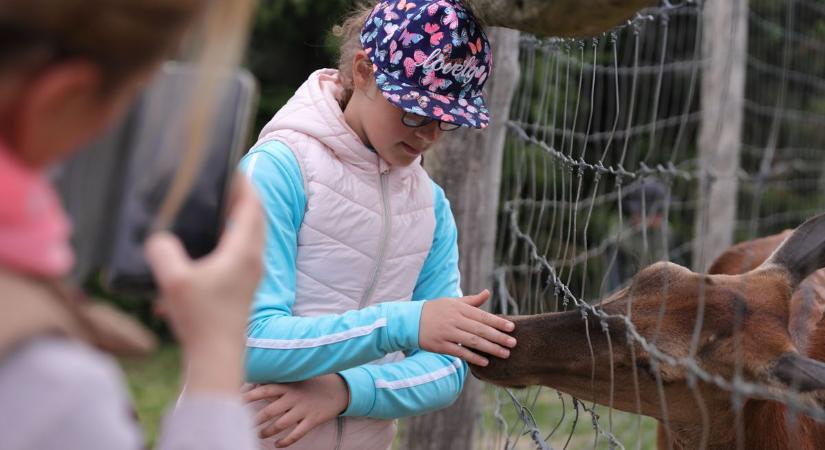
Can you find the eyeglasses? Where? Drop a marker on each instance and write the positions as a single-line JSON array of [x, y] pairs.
[[413, 120]]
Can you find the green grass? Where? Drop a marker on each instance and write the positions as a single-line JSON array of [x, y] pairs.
[[556, 416], [154, 384]]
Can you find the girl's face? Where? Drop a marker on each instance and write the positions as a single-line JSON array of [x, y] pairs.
[[397, 143], [378, 122]]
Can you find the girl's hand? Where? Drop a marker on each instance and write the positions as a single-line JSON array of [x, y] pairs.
[[206, 301], [306, 404], [452, 326]]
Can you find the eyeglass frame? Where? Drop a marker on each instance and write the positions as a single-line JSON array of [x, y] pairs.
[[426, 120]]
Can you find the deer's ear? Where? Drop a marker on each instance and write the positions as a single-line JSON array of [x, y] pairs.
[[803, 252], [797, 371]]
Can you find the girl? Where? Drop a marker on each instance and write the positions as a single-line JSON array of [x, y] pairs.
[[365, 230], [67, 69]]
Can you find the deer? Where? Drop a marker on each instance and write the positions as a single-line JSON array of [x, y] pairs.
[[746, 330]]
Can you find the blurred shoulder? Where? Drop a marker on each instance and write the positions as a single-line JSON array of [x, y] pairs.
[[60, 362], [51, 382]]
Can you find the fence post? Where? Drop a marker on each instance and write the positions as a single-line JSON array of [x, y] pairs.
[[724, 51], [467, 164]]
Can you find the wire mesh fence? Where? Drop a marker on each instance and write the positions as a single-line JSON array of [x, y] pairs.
[[602, 176]]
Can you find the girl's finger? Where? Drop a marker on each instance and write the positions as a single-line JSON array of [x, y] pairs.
[[476, 342], [289, 419], [264, 391], [304, 427], [486, 332], [167, 258], [490, 319], [477, 299], [273, 410], [465, 354]]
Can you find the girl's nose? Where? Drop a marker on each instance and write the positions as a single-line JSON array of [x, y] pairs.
[[430, 132]]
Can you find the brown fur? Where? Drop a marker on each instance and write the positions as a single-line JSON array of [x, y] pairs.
[[747, 309], [746, 256]]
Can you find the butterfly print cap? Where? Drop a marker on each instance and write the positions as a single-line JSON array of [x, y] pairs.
[[430, 58]]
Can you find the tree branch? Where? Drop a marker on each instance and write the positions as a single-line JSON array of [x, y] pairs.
[[563, 18]]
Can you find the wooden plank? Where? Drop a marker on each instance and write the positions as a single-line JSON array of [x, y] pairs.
[[724, 50]]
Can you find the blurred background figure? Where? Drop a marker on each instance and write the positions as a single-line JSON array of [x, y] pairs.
[[643, 236]]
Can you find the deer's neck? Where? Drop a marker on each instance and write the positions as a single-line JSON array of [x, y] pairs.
[[765, 427], [816, 339], [718, 434]]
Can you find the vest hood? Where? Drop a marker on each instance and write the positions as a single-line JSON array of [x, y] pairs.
[[314, 111]]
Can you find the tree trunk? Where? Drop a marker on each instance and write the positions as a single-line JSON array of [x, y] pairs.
[[724, 47], [467, 164], [563, 18]]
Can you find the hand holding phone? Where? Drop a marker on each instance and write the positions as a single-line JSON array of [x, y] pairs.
[[153, 165], [206, 301]]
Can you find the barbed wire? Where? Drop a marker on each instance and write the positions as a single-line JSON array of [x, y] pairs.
[[591, 121]]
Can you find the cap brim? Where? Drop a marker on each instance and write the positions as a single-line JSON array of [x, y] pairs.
[[468, 112]]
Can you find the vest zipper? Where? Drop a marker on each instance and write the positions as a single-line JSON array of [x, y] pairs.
[[385, 235], [339, 433]]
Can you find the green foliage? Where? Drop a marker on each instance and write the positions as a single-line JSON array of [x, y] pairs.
[[290, 40]]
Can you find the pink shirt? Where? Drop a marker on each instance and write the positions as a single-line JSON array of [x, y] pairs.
[[34, 230]]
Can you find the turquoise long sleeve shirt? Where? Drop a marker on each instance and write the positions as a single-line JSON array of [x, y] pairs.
[[284, 348]]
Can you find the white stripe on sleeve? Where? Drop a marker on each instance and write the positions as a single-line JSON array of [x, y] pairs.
[[420, 379], [251, 166], [288, 344]]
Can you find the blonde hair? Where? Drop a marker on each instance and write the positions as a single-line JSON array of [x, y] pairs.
[[124, 37], [348, 34]]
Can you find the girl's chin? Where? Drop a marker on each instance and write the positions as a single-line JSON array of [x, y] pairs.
[[404, 162], [399, 158]]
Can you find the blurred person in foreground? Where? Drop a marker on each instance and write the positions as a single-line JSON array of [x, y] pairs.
[[68, 68]]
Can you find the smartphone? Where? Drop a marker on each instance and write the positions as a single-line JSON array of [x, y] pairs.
[[150, 143]]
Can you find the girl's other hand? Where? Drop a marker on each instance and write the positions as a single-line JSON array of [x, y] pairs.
[[453, 326], [303, 405], [206, 301]]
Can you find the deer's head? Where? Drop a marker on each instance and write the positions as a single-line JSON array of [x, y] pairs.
[[725, 324]]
